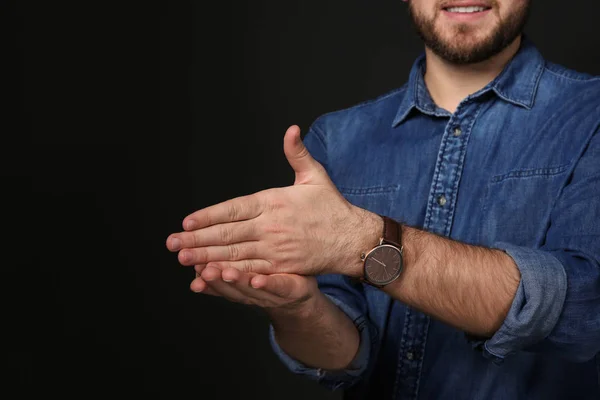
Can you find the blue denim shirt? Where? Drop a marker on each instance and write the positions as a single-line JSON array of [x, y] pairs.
[[516, 167]]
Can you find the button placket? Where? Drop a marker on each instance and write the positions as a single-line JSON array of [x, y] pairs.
[[438, 219]]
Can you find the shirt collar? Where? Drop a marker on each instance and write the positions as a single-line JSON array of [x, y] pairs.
[[516, 84]]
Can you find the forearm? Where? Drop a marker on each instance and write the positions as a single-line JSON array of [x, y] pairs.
[[318, 334], [469, 287]]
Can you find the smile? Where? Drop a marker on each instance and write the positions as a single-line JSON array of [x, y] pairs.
[[466, 10]]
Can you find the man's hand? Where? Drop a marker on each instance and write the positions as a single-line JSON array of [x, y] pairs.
[[281, 291], [307, 229]]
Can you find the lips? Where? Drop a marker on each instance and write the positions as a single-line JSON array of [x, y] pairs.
[[466, 6]]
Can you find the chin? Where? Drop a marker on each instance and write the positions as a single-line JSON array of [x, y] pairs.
[[467, 45], [466, 41], [468, 33]]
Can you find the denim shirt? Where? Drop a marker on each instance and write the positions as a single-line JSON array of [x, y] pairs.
[[516, 167]]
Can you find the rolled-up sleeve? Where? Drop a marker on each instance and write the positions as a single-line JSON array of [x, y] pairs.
[[347, 297], [556, 308]]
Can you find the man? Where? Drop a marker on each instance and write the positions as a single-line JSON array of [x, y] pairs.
[[452, 225]]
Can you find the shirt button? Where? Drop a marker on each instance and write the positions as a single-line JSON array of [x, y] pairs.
[[442, 200], [410, 355], [457, 131]]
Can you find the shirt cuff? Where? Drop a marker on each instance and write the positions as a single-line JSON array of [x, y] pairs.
[[333, 379], [536, 307]]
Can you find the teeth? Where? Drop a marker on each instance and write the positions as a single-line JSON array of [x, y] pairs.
[[465, 9]]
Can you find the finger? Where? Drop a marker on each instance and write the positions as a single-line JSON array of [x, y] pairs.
[[257, 266], [198, 285], [242, 282], [204, 255], [215, 235], [282, 285], [210, 274], [213, 279], [237, 209], [199, 268], [232, 275], [307, 169]]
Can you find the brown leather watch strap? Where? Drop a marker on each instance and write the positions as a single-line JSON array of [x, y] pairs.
[[392, 231]]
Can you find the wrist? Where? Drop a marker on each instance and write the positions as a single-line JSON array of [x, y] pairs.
[[286, 316], [412, 241], [365, 235]]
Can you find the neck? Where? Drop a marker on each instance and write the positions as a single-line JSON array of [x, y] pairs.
[[450, 83]]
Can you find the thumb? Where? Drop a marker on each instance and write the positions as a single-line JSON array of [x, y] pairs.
[[308, 170]]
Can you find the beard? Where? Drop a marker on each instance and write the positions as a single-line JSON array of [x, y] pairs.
[[461, 49]]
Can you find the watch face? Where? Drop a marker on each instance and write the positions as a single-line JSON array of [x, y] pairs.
[[383, 264]]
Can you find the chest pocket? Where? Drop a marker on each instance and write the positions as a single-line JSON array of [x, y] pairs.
[[516, 206], [378, 199]]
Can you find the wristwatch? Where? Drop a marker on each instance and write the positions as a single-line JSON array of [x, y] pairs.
[[383, 263]]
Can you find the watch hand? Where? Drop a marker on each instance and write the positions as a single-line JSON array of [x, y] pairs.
[[373, 258], [386, 271]]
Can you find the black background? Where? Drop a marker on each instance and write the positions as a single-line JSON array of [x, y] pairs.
[[125, 117]]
